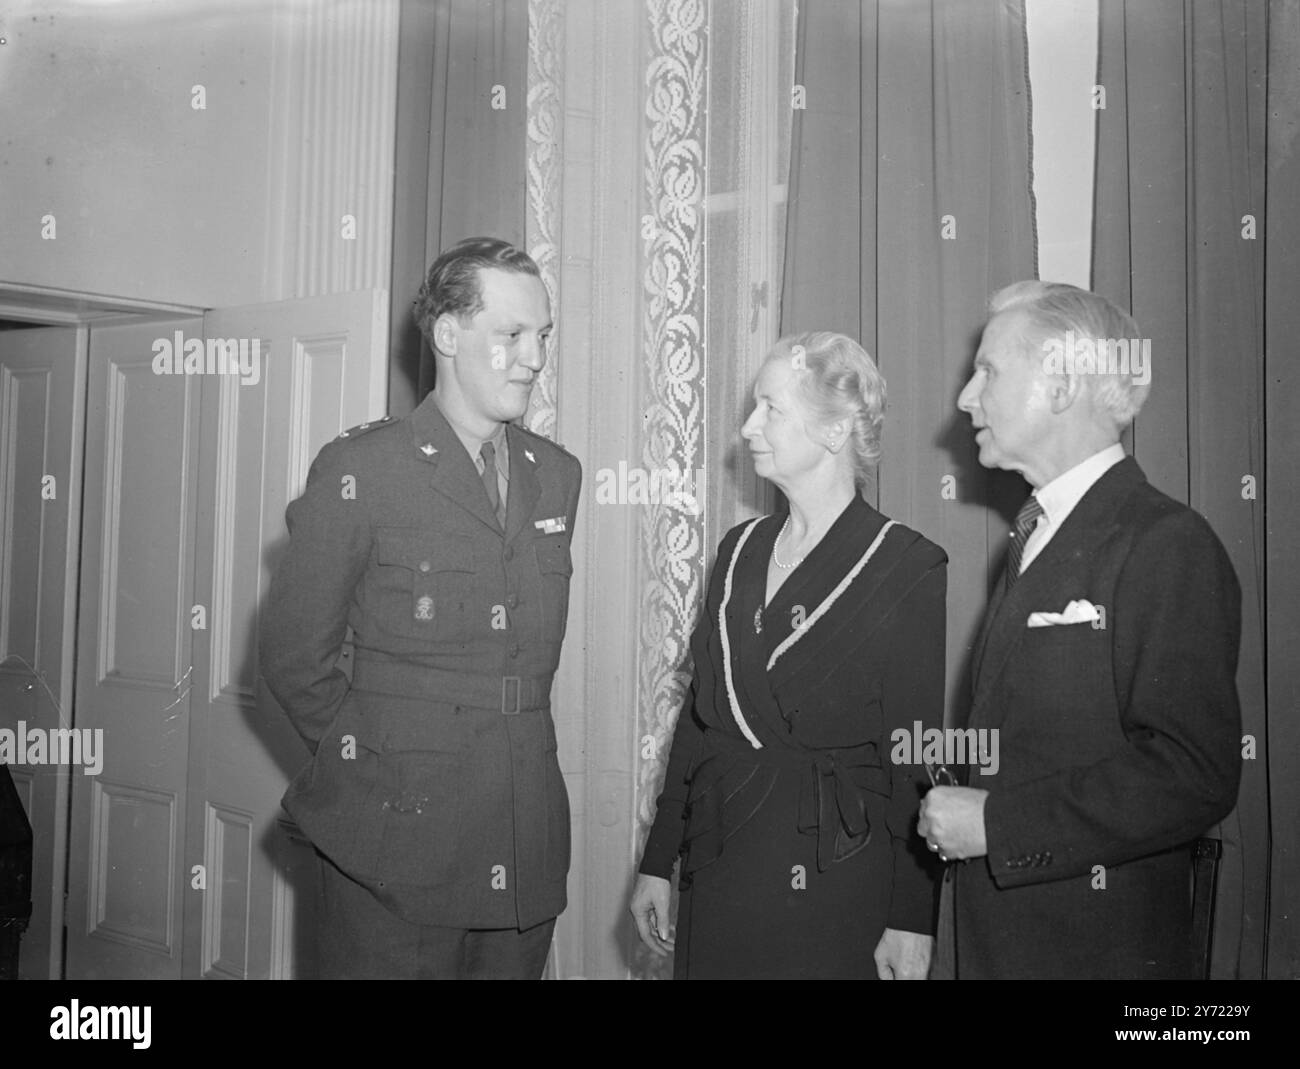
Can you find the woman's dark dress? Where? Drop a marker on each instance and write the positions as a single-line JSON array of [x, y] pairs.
[[798, 854]]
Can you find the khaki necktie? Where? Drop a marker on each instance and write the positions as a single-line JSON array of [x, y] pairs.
[[489, 455]]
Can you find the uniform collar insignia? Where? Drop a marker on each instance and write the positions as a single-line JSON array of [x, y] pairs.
[[427, 449]]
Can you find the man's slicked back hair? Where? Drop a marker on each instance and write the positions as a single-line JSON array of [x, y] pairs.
[[453, 285]]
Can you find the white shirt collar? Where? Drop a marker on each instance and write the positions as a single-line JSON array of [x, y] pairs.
[[1059, 497]]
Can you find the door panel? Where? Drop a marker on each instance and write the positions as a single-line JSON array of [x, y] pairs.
[[42, 395], [127, 886]]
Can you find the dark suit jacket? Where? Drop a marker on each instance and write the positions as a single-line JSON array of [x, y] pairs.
[[1118, 743], [434, 780]]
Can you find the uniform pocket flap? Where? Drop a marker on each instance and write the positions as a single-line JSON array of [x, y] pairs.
[[554, 557], [406, 726], [421, 552]]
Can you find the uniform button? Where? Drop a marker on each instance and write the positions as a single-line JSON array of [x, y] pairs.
[[514, 651], [512, 600], [424, 565]]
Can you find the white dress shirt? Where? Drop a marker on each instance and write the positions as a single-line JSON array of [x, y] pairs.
[[1059, 497]]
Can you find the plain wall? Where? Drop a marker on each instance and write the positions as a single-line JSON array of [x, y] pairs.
[[157, 201], [152, 199]]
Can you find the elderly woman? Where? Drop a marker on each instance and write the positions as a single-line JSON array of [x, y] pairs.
[[822, 634]]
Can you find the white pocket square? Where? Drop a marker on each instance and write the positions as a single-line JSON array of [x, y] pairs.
[[1077, 612]]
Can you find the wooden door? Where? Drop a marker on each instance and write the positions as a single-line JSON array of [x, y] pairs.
[[42, 395], [323, 370], [182, 863]]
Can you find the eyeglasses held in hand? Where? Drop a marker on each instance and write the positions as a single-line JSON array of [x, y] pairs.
[[940, 775]]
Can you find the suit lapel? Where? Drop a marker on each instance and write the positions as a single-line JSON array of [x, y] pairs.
[[1039, 587], [452, 473], [996, 596]]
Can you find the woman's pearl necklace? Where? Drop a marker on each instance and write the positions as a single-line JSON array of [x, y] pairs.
[[776, 557]]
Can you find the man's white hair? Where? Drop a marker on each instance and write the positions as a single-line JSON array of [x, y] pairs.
[[1055, 308]]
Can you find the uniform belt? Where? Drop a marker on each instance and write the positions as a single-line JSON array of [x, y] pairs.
[[400, 679]]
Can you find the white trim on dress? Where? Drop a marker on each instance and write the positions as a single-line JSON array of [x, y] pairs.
[[824, 607], [726, 644]]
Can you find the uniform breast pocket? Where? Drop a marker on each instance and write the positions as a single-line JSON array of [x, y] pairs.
[[555, 567], [423, 583]]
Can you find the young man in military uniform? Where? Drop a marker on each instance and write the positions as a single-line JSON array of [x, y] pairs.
[[434, 796]]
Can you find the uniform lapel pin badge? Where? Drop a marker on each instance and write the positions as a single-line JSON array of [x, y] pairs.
[[427, 449], [529, 454], [555, 525]]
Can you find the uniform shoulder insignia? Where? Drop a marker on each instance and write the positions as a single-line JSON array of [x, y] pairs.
[[545, 442], [365, 428]]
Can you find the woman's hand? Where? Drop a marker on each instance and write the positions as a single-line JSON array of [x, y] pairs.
[[649, 907], [903, 955]]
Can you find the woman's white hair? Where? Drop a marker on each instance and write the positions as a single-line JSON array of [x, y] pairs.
[[1055, 308], [840, 381]]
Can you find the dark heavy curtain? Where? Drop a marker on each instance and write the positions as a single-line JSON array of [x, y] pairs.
[[460, 159], [1282, 447], [910, 203], [1192, 177]]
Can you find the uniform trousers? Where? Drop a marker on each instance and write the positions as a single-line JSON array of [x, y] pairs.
[[358, 939]]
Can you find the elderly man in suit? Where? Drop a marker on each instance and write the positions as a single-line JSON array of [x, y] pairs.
[[1106, 662], [434, 797]]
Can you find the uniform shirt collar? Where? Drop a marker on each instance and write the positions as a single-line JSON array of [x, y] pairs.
[[474, 444]]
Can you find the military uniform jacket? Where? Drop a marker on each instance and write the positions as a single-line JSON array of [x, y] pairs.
[[434, 780]]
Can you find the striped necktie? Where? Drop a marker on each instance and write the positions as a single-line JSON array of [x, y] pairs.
[[489, 455], [1026, 521]]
